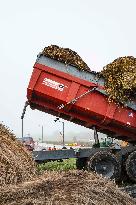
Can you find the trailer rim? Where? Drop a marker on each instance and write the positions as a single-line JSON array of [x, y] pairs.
[[106, 164], [105, 167]]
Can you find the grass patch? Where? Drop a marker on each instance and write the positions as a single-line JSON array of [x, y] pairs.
[[66, 164]]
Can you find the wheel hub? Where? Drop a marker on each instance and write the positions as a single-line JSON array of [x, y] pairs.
[[106, 168]]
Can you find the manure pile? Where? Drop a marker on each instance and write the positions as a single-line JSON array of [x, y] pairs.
[[65, 188], [66, 56], [16, 164], [120, 79]]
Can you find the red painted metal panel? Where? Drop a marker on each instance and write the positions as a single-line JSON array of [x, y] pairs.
[[35, 75], [48, 88], [55, 72]]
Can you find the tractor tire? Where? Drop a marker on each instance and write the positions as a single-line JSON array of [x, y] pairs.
[[105, 164], [131, 166], [81, 163]]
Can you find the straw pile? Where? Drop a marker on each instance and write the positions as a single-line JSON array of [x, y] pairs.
[[65, 188], [66, 56], [120, 79], [16, 164]]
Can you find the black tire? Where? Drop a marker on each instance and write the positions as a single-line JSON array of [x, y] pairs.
[[81, 163], [131, 166], [124, 176], [106, 164]]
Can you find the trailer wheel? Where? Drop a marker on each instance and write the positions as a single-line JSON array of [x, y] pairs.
[[106, 164], [131, 166], [81, 163]]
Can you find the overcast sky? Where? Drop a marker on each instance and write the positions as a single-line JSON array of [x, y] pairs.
[[99, 31]]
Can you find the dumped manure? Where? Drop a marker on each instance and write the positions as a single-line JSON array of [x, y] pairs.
[[20, 184], [16, 164], [66, 56], [65, 188], [120, 79], [120, 75]]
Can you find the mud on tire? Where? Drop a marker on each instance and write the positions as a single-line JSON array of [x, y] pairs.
[[131, 166], [106, 164]]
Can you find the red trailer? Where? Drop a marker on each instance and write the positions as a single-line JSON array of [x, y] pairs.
[[79, 96]]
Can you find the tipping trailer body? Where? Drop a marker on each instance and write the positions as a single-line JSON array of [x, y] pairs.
[[79, 96]]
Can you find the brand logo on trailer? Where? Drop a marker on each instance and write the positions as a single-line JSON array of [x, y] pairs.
[[53, 84]]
